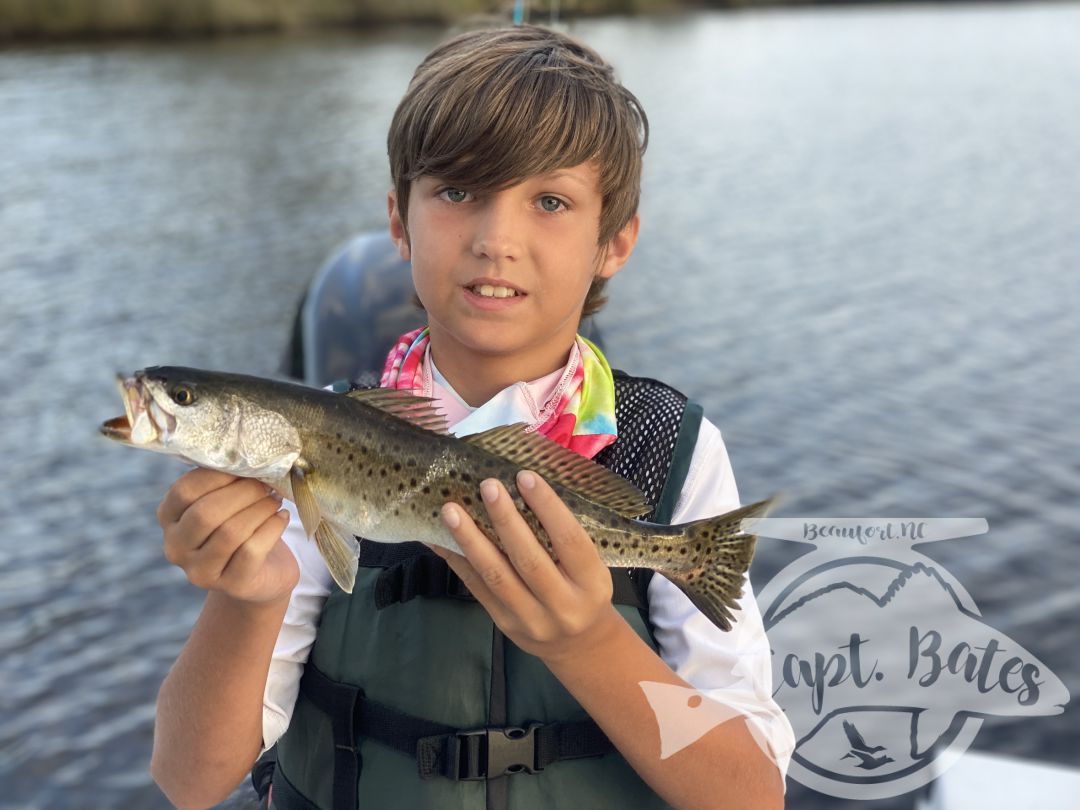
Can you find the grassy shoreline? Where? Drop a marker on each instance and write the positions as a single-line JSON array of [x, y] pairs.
[[45, 21], [54, 20]]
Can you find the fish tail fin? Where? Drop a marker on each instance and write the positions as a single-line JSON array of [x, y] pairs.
[[717, 554]]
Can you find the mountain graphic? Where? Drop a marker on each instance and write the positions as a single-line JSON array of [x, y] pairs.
[[910, 646]]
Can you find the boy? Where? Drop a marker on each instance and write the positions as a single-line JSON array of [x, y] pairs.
[[516, 159]]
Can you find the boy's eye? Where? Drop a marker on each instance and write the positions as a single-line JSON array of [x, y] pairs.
[[454, 195], [549, 203]]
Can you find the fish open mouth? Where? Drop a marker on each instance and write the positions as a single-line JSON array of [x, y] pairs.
[[118, 429], [143, 422]]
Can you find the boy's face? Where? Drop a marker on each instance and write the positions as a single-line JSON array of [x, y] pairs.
[[506, 273]]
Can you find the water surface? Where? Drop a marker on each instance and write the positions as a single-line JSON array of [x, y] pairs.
[[859, 253]]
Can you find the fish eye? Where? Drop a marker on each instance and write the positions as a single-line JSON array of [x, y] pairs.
[[182, 395]]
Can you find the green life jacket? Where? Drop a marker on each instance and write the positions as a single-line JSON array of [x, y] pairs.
[[413, 699]]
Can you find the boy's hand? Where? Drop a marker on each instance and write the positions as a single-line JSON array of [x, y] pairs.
[[550, 609], [225, 533]]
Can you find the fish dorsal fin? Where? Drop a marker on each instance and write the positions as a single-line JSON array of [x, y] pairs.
[[419, 411], [559, 465]]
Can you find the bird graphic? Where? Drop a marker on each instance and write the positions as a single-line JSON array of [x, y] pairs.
[[863, 752]]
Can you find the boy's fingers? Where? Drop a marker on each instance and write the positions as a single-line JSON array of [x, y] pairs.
[[212, 553], [461, 566], [241, 526], [529, 558], [246, 560], [219, 509], [472, 580], [187, 489], [578, 558], [487, 566]]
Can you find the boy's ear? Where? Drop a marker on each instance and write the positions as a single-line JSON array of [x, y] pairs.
[[397, 227], [619, 248]]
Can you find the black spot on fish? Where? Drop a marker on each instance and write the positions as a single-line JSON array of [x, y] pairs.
[[603, 544], [453, 473], [617, 545], [350, 456], [467, 500], [435, 513], [466, 478], [412, 482], [400, 487], [655, 549], [382, 472], [397, 466], [339, 435], [445, 492], [427, 490]]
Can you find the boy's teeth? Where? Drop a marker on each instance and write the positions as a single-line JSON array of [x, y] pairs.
[[489, 291]]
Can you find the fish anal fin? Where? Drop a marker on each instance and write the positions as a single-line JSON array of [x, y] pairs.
[[339, 553], [559, 465], [422, 412]]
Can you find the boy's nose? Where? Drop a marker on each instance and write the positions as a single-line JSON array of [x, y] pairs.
[[498, 232]]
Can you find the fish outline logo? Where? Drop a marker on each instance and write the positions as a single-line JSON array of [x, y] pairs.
[[911, 641], [685, 714]]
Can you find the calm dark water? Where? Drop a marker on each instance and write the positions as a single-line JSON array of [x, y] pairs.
[[860, 252]]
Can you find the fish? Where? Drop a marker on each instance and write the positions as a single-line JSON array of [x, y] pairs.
[[379, 464]]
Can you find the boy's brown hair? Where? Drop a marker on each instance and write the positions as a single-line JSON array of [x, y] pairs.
[[489, 108]]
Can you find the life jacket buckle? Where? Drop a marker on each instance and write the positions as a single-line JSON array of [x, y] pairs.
[[488, 753]]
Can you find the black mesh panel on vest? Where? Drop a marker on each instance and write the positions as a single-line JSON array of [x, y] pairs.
[[648, 414]]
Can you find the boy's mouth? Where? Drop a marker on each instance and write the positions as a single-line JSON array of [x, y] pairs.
[[485, 290]]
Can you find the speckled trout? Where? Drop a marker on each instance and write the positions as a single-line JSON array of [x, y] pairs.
[[380, 464]]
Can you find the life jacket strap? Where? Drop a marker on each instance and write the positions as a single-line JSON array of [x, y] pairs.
[[411, 570], [407, 576], [440, 749]]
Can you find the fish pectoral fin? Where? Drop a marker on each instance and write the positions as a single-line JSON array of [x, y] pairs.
[[339, 553], [562, 466], [305, 501], [419, 411]]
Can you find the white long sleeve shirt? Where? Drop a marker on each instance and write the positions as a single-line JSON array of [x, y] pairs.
[[731, 667]]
